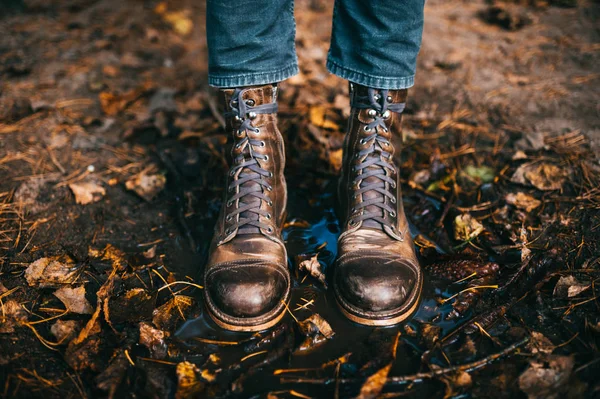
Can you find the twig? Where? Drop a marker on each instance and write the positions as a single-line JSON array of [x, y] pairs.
[[419, 377]]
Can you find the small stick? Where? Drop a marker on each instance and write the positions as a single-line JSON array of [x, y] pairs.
[[419, 377]]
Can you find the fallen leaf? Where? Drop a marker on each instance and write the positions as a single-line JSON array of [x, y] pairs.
[[147, 184], [313, 267], [11, 315], [375, 383], [540, 344], [135, 305], [321, 116], [545, 378], [542, 175], [87, 192], [466, 227], [64, 330], [335, 159], [74, 299], [316, 329], [52, 272], [154, 340], [180, 21], [523, 201], [568, 287], [188, 383], [175, 309], [484, 174]]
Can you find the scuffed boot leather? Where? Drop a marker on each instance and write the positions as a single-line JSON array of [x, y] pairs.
[[247, 281], [377, 278]]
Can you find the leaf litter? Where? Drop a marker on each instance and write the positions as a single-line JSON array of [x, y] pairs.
[[503, 200]]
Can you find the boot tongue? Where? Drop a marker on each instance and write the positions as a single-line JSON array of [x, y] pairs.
[[372, 194]]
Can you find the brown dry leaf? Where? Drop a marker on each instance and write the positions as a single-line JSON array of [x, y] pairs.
[[568, 287], [112, 103], [322, 117], [64, 330], [135, 305], [168, 315], [180, 21], [188, 383], [147, 184], [112, 254], [539, 343], [74, 299], [52, 272], [466, 227], [545, 378], [375, 383], [317, 330], [11, 315], [154, 340], [313, 267], [541, 175], [335, 159], [87, 192], [523, 201]]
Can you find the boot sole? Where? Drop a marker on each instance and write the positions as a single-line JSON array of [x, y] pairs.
[[253, 328], [382, 322]]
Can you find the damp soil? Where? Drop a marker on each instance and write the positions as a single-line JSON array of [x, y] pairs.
[[112, 158]]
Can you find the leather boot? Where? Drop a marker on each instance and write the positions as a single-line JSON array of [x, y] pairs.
[[247, 281], [377, 277]]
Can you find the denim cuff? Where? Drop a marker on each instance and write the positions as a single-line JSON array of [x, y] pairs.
[[376, 82], [253, 79]]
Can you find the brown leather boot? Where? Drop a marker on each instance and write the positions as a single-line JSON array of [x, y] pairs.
[[247, 281], [377, 278]]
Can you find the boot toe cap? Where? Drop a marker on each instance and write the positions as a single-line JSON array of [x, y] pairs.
[[249, 290], [376, 284]]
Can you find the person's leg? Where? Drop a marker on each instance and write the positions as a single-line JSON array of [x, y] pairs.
[[250, 42], [376, 43], [377, 277], [251, 47]]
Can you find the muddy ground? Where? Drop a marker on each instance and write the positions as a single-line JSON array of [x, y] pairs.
[[111, 167]]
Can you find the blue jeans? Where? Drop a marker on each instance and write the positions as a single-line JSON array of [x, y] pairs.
[[374, 43]]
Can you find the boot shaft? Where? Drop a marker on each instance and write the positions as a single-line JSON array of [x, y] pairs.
[[255, 187]]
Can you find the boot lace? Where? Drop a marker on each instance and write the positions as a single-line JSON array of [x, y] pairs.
[[248, 188], [376, 160]]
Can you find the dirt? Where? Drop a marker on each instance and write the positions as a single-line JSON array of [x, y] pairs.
[[111, 170]]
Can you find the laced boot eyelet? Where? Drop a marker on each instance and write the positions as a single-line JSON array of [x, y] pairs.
[[393, 214], [239, 133], [394, 186], [257, 131], [269, 230], [367, 129], [266, 158], [352, 210], [252, 115], [268, 216], [371, 112], [227, 232], [389, 99], [262, 144], [352, 222], [270, 203], [270, 174], [387, 114], [232, 173], [228, 218], [250, 102], [270, 188], [393, 200]]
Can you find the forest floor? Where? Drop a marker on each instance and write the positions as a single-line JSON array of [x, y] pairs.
[[111, 170]]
